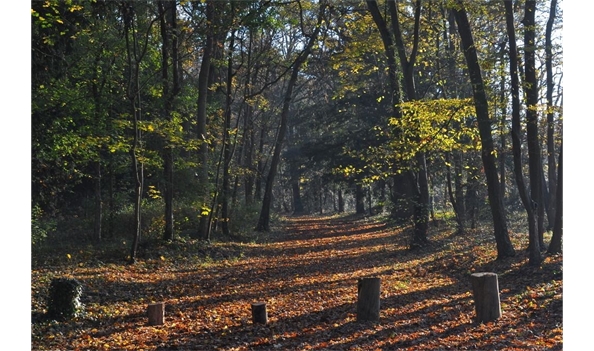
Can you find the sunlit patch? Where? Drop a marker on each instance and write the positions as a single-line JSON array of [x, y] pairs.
[[308, 279]]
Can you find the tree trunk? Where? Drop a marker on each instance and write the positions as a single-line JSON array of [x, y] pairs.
[[98, 203], [555, 246], [534, 157], [551, 116], [471, 198], [227, 137], [134, 55], [264, 220], [421, 214], [516, 132], [459, 215], [359, 199], [202, 173], [502, 125], [401, 194], [420, 184], [168, 19], [504, 245], [297, 203], [340, 201]]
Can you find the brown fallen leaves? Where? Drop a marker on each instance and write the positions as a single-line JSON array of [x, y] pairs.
[[307, 275]]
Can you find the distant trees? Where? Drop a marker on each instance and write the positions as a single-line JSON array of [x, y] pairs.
[[169, 118]]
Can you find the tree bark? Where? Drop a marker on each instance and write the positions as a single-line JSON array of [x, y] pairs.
[[555, 245], [504, 246], [453, 200], [534, 156], [553, 181], [98, 202], [359, 199], [227, 137]]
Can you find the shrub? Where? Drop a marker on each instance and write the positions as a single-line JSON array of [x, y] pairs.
[[40, 226]]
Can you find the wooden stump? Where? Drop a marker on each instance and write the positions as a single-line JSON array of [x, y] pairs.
[[368, 299], [259, 314], [485, 290], [64, 299], [156, 313]]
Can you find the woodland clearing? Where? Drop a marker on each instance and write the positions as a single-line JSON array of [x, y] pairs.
[[306, 271]]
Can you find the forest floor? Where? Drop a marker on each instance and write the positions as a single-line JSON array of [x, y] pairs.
[[306, 271]]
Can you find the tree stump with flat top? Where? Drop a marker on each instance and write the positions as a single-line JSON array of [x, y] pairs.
[[368, 299], [485, 290], [259, 313], [156, 313]]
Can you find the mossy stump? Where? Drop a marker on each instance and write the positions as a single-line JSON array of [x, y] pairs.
[[64, 299]]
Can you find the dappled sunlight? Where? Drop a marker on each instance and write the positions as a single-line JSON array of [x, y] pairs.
[[308, 279]]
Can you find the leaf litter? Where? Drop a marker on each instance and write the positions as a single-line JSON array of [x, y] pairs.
[[306, 273]]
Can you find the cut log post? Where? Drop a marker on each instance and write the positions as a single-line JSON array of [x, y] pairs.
[[156, 313], [259, 313], [64, 299], [485, 290], [368, 299]]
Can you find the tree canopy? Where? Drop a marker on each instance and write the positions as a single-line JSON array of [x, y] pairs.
[[203, 116]]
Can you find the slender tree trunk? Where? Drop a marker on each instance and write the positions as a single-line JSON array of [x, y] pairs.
[[340, 201], [551, 115], [264, 220], [421, 217], [261, 165], [504, 246], [202, 173], [98, 202], [502, 125], [401, 192], [453, 200], [555, 246], [134, 56], [534, 156], [419, 180], [359, 199], [247, 149], [471, 198], [168, 19], [516, 132], [227, 137]]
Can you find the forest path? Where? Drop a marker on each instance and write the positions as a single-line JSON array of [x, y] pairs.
[[307, 275]]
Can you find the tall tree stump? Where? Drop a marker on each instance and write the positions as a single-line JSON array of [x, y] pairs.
[[156, 313], [368, 299], [485, 289], [259, 313], [64, 299]]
